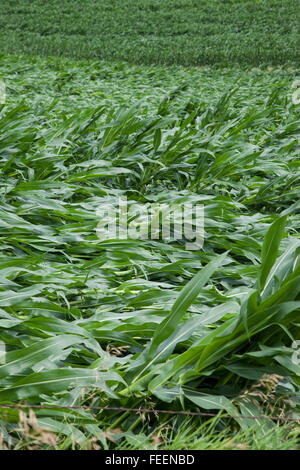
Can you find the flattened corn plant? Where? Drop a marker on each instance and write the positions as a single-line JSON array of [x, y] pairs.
[[147, 323]]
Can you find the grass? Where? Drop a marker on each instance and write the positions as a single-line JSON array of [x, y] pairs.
[[147, 323], [173, 435], [187, 32]]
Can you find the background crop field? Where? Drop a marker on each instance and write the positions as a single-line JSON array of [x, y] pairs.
[[188, 32]]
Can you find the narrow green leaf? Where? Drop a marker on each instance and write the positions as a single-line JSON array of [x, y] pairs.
[[270, 248]]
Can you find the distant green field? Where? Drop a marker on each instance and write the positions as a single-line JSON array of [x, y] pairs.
[[187, 32]]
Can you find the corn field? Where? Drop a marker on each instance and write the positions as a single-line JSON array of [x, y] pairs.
[[146, 323]]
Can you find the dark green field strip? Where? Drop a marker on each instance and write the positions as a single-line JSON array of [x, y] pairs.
[[187, 32]]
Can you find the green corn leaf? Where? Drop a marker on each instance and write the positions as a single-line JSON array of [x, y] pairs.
[[17, 361], [270, 248], [56, 380]]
